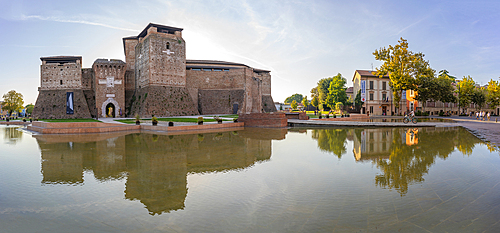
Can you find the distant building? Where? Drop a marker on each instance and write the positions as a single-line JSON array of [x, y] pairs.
[[378, 99], [350, 93]]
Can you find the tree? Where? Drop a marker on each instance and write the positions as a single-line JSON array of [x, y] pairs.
[[305, 102], [29, 108], [339, 106], [444, 88], [322, 89], [437, 89], [336, 91], [297, 97], [479, 97], [493, 94], [12, 101], [426, 89], [357, 101], [315, 102], [466, 91], [403, 66], [294, 104], [314, 92]]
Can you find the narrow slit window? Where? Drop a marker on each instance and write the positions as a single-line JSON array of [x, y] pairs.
[[168, 45], [60, 81]]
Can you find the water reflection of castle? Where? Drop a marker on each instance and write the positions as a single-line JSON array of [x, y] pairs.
[[155, 166]]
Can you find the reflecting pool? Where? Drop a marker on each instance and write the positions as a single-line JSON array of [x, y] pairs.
[[252, 180]]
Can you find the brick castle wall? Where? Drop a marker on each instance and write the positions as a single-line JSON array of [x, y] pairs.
[[162, 101], [266, 120], [60, 76], [51, 104], [268, 103], [219, 101]]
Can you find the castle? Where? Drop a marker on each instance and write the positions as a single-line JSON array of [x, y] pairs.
[[155, 79]]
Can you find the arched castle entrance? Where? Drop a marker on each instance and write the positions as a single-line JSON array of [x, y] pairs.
[[110, 102]]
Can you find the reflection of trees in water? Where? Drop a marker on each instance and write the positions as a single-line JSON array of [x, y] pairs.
[[405, 160], [12, 135], [408, 164], [331, 140]]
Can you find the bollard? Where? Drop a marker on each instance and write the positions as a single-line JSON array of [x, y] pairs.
[[496, 119]]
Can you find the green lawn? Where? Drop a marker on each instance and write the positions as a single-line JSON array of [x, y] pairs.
[[69, 120], [173, 119], [226, 116]]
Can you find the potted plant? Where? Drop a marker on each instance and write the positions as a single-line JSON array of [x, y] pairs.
[[31, 119], [235, 120], [218, 119], [319, 115], [154, 120], [200, 120], [24, 119], [170, 123], [137, 119], [7, 119], [328, 115]]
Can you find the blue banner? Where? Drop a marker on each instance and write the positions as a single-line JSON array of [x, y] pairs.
[[69, 103]]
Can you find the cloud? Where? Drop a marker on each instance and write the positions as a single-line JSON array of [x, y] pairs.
[[409, 26], [57, 19]]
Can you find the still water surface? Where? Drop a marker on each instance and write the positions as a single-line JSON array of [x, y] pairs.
[[252, 180]]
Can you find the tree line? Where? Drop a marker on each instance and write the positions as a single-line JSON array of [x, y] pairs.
[[13, 102], [407, 70]]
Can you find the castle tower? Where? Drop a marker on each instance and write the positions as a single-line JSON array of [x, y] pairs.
[[109, 87], [159, 59], [60, 92]]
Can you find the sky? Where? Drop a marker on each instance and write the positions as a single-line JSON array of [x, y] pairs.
[[300, 42]]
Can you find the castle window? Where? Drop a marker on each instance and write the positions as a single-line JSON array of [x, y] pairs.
[[60, 81], [197, 69], [168, 45], [217, 69]]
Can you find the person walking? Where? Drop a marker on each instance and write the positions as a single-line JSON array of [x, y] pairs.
[[489, 116], [477, 115]]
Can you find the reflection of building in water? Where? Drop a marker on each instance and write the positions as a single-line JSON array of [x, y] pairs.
[[12, 135], [157, 165], [372, 143], [411, 137]]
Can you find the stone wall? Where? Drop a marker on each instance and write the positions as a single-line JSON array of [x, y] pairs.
[[266, 120], [219, 101], [129, 49], [266, 82], [51, 104], [253, 94], [203, 79], [268, 103], [90, 98], [162, 101], [167, 60], [60, 76], [87, 79], [142, 71], [161, 60]]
